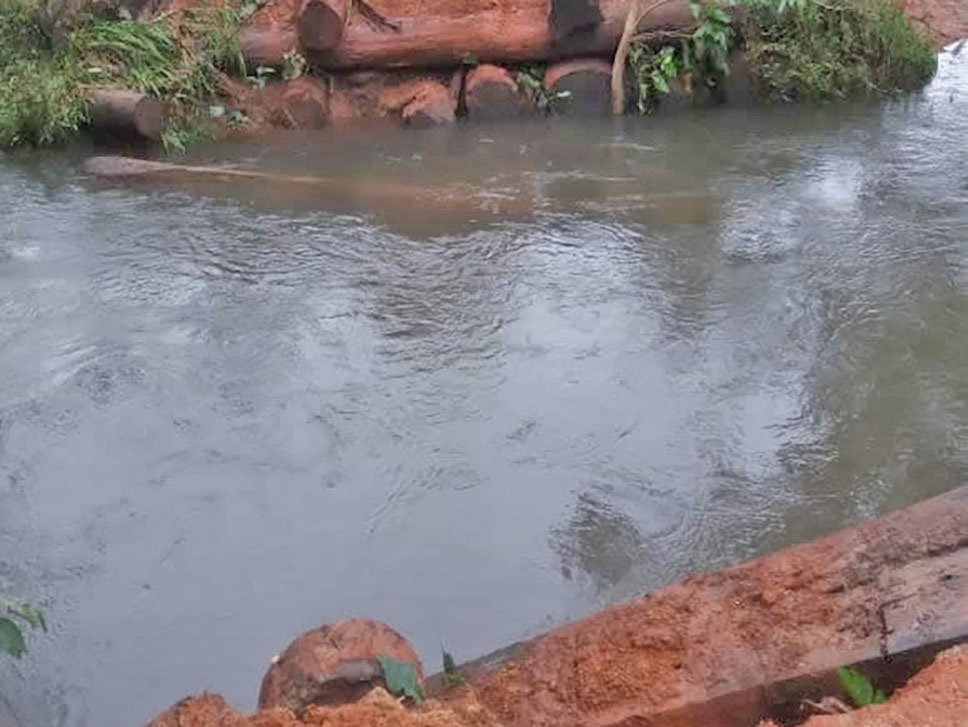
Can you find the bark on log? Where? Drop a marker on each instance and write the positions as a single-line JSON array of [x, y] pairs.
[[444, 33], [320, 24], [491, 93], [127, 114]]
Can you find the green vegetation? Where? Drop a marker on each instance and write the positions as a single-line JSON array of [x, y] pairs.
[[797, 50], [13, 614], [401, 678], [859, 687], [44, 82], [530, 80], [452, 675], [819, 51]]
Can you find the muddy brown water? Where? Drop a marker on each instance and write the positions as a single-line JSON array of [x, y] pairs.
[[580, 361]]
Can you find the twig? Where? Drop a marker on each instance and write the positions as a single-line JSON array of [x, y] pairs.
[[632, 21], [828, 705]]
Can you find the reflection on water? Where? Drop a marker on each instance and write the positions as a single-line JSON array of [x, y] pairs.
[[500, 377]]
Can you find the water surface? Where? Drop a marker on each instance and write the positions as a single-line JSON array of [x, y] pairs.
[[503, 376]]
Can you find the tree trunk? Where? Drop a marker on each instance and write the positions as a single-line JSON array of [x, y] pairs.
[[127, 114], [320, 24], [443, 33]]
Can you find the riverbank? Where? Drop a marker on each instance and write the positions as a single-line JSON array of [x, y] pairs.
[[762, 640], [226, 68]]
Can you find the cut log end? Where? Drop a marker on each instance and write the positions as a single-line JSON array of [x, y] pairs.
[[432, 106], [491, 93], [580, 87], [127, 114], [321, 24]]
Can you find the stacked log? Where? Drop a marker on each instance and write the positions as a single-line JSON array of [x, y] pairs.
[[491, 93], [440, 33], [579, 87]]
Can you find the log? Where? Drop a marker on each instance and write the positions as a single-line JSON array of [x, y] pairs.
[[448, 205], [127, 114], [401, 96], [320, 24], [439, 33], [491, 93], [434, 105], [587, 85]]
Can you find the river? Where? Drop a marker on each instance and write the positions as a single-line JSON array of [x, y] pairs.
[[506, 375]]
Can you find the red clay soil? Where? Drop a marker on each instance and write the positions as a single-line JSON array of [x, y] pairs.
[[945, 21], [377, 709], [935, 697]]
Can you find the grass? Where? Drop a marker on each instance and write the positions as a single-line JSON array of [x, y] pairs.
[[43, 90], [820, 51]]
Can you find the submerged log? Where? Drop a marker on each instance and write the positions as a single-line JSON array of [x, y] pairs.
[[451, 205], [127, 114], [445, 33]]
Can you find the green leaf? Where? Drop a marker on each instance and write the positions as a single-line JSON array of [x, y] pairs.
[[659, 82], [857, 685], [11, 638], [401, 678], [720, 16]]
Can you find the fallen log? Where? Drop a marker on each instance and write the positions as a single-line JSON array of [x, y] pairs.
[[120, 167], [410, 209], [127, 115], [445, 33]]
